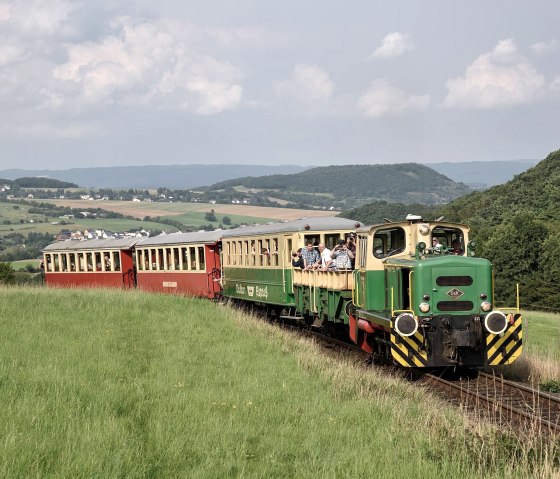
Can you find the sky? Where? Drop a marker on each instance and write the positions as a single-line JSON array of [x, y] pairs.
[[307, 82]]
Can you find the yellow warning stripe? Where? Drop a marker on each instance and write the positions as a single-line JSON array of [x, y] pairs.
[[408, 350], [508, 342], [508, 335]]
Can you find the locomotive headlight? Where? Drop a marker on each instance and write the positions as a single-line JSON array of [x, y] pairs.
[[406, 324], [485, 306], [424, 307], [424, 230], [495, 322]]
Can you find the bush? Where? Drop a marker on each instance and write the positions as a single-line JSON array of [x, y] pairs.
[[7, 274]]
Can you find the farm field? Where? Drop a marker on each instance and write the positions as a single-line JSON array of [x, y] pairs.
[[98, 383], [110, 224], [143, 209], [16, 218]]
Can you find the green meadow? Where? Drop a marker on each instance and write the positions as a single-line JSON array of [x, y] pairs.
[[97, 383]]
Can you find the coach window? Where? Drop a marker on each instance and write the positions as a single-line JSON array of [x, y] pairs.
[[314, 239], [290, 250], [192, 258], [388, 241], [186, 266], [274, 252], [98, 261], [64, 262], [167, 260], [116, 261], [78, 261], [331, 240], [201, 259]]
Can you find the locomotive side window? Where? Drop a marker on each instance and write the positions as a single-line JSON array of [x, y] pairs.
[[388, 241]]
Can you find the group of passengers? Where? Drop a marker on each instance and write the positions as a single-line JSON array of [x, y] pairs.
[[340, 258]]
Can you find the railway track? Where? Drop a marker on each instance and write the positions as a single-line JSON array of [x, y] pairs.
[[504, 402], [507, 404]]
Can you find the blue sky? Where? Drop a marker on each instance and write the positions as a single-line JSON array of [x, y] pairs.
[[304, 82]]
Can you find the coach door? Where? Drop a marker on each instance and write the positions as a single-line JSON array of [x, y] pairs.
[[213, 269], [127, 269]]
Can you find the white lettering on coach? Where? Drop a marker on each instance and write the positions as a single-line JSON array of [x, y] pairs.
[[262, 292], [240, 289]]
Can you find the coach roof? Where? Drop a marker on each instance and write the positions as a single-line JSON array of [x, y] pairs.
[[92, 244], [317, 223], [182, 238]]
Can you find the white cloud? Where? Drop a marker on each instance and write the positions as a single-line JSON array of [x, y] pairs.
[[500, 78], [382, 98], [4, 11], [307, 83], [541, 48], [150, 62], [37, 17], [393, 45]]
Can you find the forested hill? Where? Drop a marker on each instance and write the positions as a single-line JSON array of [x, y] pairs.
[[358, 184], [37, 182], [517, 227]]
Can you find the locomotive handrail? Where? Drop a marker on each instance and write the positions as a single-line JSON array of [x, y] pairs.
[[517, 304], [356, 293], [393, 311]]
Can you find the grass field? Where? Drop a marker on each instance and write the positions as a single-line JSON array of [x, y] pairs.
[[542, 334], [21, 265], [123, 384]]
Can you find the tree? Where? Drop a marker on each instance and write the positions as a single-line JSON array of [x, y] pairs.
[[7, 274], [226, 220], [515, 251], [211, 216]]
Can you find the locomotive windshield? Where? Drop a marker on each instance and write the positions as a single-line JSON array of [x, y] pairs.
[[449, 239], [388, 241]]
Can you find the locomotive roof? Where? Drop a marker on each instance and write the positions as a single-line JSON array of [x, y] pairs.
[[92, 244], [316, 223], [182, 238], [367, 229]]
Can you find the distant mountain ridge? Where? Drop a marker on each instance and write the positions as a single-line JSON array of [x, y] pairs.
[[478, 174], [352, 185], [152, 176], [482, 174]]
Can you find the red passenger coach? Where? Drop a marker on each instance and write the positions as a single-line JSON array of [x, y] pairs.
[[103, 263], [183, 263]]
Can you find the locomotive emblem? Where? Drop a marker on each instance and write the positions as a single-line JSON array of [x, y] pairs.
[[454, 293], [250, 290]]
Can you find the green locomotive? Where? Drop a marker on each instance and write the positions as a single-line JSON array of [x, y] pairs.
[[417, 294]]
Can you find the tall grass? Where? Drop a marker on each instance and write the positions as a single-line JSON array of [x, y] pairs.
[[540, 361], [123, 384]]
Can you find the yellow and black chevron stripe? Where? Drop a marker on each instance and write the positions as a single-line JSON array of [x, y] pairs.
[[506, 348], [408, 351]]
